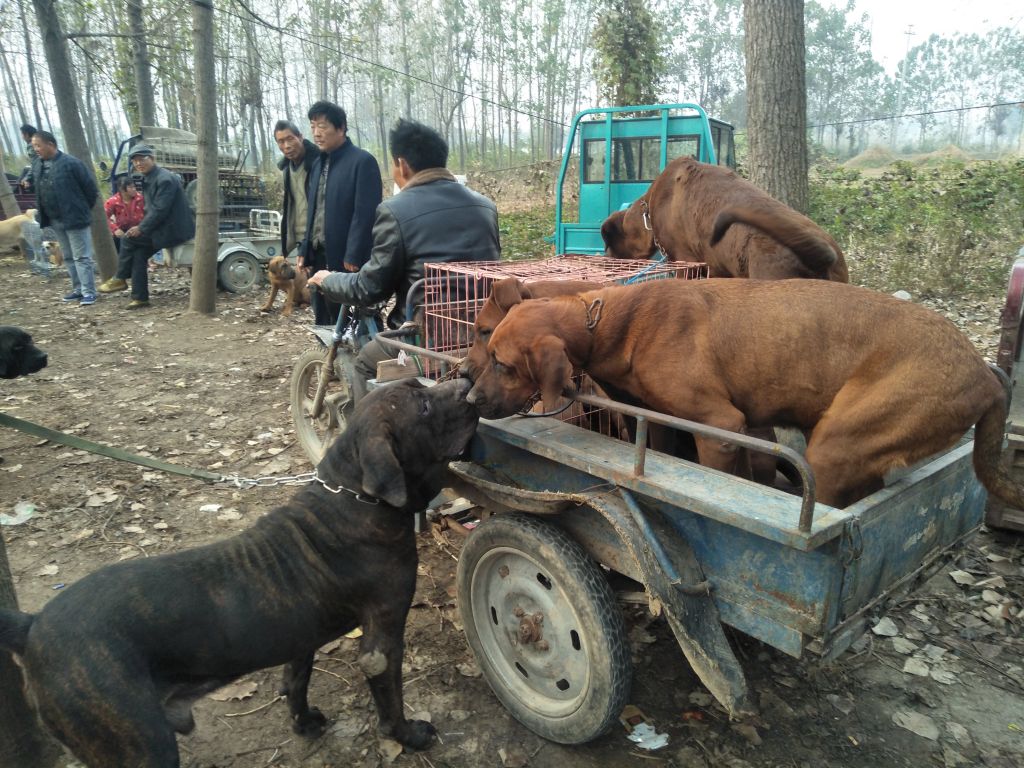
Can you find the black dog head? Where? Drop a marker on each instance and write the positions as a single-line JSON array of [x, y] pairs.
[[399, 441], [18, 355]]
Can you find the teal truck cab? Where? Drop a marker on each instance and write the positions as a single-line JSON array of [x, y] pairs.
[[621, 150]]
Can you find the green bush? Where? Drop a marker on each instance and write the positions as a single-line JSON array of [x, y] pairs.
[[951, 229]]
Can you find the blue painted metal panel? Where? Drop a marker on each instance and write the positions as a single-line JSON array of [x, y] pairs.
[[770, 580]]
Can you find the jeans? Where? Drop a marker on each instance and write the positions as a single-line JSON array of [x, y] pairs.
[[133, 262], [77, 247]]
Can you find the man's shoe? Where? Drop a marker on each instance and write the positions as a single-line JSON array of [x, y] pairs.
[[86, 301], [73, 296], [114, 284], [138, 303]]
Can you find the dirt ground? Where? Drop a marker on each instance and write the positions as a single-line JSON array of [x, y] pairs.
[[212, 392]]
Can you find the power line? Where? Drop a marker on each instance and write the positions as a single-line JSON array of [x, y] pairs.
[[1016, 103]]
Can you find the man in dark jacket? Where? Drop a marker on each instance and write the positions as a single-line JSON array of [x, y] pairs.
[[299, 156], [65, 193], [168, 222], [433, 219], [344, 191]]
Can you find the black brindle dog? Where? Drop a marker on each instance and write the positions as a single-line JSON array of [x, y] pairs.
[[115, 662], [18, 355]]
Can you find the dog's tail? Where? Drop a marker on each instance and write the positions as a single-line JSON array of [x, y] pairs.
[[815, 249], [14, 626], [988, 449]]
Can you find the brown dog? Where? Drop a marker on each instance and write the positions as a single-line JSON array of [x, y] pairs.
[[284, 277], [54, 252], [877, 383], [688, 213], [505, 294]]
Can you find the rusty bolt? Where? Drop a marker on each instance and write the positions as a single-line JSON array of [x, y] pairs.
[[519, 613], [541, 645], [503, 571]]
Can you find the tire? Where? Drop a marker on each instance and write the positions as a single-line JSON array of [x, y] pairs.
[[573, 689], [316, 435], [239, 271]]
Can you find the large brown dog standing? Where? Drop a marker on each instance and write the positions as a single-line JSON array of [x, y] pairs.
[[284, 277], [876, 382], [689, 210]]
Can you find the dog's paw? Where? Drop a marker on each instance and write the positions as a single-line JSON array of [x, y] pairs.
[[415, 734], [311, 724]]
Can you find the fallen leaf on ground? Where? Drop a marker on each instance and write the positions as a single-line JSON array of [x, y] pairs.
[[886, 628], [237, 691], [917, 723]]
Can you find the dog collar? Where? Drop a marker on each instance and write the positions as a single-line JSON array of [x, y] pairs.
[[338, 489], [649, 226], [593, 310]]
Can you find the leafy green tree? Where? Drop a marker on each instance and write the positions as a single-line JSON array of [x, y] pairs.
[[629, 62]]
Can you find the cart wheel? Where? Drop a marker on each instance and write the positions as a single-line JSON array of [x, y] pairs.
[[315, 435], [544, 626], [239, 271]]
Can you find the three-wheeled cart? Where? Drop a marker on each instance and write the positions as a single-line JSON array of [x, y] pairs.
[[564, 506], [242, 256]]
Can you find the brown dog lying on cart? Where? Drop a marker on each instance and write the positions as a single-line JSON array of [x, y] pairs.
[[690, 212], [875, 383]]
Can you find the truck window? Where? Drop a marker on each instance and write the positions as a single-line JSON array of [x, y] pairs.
[[683, 146], [593, 161]]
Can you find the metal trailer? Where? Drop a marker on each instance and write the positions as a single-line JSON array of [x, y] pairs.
[[1008, 359], [564, 508], [241, 256]]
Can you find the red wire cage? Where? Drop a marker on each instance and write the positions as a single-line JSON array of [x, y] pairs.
[[455, 292]]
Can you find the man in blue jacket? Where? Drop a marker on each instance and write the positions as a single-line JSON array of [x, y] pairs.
[[344, 191], [65, 193], [168, 222], [433, 219]]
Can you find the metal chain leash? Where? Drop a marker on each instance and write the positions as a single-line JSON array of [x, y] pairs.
[[305, 478]]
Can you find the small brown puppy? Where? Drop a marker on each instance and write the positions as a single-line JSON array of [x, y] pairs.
[[284, 277], [54, 252]]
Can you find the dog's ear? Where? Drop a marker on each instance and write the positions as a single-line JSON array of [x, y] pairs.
[[611, 229], [382, 472], [551, 369], [509, 292]]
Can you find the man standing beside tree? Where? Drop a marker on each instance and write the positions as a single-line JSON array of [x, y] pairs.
[[65, 194]]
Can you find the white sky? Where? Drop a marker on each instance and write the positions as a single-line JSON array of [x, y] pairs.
[[889, 20]]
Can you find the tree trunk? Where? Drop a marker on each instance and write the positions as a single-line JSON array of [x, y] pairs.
[[9, 205], [777, 99], [31, 66], [140, 65], [22, 742], [204, 263], [55, 45]]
